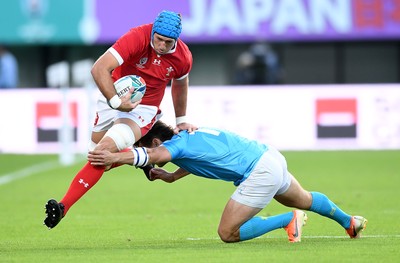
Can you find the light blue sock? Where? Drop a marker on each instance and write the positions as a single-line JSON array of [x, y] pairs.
[[325, 207], [258, 225]]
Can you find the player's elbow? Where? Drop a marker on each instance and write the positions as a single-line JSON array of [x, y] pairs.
[[95, 71]]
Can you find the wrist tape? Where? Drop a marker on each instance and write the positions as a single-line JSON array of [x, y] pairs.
[[140, 156], [114, 102], [181, 119]]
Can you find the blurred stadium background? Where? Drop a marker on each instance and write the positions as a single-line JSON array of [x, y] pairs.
[[325, 73]]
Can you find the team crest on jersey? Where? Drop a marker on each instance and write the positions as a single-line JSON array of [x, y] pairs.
[[169, 70], [141, 63]]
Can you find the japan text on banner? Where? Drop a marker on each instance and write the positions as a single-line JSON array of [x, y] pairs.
[[204, 21]]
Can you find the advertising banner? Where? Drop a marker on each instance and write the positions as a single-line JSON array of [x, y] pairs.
[[204, 21], [40, 21], [291, 117], [38, 126], [301, 117]]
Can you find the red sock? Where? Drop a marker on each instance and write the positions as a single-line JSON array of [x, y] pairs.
[[83, 181]]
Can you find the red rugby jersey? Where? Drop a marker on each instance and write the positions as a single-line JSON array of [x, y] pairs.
[[139, 58]]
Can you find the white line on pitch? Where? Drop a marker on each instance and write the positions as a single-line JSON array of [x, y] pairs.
[[8, 178], [364, 236]]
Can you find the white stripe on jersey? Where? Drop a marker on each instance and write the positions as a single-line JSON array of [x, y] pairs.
[[116, 55]]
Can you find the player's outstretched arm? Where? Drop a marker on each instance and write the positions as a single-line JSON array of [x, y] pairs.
[[106, 158], [158, 173], [139, 157]]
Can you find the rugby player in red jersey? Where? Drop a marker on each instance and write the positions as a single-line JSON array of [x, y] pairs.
[[154, 52]]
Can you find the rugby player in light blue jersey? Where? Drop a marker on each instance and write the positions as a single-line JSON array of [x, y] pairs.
[[259, 171]]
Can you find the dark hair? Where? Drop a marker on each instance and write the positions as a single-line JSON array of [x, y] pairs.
[[160, 130]]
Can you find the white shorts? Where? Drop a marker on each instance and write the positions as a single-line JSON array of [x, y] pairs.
[[270, 177], [143, 115]]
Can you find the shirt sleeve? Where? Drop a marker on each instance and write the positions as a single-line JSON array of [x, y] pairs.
[[187, 66], [175, 146], [130, 43]]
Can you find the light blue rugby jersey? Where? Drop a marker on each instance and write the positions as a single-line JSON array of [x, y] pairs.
[[215, 154]]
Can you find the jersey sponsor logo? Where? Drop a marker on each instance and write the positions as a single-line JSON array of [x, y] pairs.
[[141, 63], [157, 62]]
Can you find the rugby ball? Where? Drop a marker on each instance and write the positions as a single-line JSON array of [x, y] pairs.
[[124, 84]]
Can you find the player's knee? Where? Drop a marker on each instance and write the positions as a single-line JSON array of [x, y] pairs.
[[223, 235], [307, 200], [304, 200], [92, 145], [122, 135], [227, 235]]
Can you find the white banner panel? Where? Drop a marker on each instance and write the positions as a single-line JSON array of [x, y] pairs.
[[31, 119], [301, 117], [360, 116]]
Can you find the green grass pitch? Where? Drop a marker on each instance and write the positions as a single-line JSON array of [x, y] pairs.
[[126, 218]]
